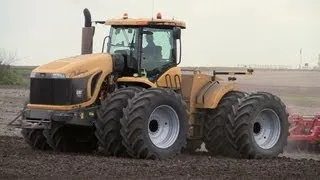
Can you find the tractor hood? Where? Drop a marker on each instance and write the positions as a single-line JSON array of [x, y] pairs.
[[76, 66]]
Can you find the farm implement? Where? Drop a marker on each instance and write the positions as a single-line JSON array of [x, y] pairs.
[[304, 133]]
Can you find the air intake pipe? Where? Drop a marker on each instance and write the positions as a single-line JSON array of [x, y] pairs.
[[87, 33]]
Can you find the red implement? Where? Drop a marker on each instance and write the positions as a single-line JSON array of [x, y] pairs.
[[305, 128]]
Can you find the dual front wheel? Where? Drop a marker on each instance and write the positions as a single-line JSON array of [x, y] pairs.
[[147, 124]]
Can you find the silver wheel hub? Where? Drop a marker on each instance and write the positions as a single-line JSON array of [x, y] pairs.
[[163, 126], [267, 129]]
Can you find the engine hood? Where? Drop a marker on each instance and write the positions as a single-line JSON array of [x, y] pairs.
[[78, 66]]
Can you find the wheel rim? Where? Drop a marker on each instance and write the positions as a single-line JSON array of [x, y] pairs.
[[163, 126], [266, 129]]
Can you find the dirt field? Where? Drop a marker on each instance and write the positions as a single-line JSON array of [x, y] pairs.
[[17, 160], [298, 90]]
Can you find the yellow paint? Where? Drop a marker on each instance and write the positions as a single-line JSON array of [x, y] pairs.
[[143, 80], [78, 66], [146, 22], [171, 78], [89, 90], [211, 96], [200, 91], [93, 64]]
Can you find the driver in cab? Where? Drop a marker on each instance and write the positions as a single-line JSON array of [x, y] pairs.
[[151, 51]]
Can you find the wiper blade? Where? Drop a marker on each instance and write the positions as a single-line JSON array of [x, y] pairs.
[[125, 35], [131, 45]]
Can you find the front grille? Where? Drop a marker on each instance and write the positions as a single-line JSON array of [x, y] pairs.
[[50, 91]]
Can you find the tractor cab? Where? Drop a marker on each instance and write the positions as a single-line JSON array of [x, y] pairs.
[[149, 46]]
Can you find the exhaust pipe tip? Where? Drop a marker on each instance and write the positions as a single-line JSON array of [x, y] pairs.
[[87, 18], [87, 33]]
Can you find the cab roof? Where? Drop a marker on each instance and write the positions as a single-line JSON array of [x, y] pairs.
[[125, 21]]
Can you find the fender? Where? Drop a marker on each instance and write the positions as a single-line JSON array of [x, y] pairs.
[[170, 79], [136, 80], [211, 94]]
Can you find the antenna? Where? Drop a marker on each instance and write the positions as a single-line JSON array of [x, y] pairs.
[[152, 9]]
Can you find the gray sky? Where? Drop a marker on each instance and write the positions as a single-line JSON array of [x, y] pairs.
[[219, 32]]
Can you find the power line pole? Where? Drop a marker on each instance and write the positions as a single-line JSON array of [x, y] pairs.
[[300, 58], [319, 61]]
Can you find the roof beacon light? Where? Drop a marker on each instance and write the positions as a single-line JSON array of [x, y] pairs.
[[159, 15], [125, 15]]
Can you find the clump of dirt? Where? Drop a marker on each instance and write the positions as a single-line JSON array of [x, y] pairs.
[[18, 160]]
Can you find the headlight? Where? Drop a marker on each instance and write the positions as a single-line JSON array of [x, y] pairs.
[[58, 76], [47, 75]]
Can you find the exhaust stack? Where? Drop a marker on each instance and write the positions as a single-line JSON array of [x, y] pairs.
[[87, 33]]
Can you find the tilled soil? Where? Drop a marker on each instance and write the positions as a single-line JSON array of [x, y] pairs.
[[18, 160], [12, 100]]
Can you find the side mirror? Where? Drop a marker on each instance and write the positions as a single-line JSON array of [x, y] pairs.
[[176, 33]]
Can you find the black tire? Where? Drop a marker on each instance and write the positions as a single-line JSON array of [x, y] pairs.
[[35, 139], [71, 138], [135, 124], [108, 121], [245, 126], [218, 126]]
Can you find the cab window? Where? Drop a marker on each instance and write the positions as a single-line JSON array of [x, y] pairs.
[[157, 50]]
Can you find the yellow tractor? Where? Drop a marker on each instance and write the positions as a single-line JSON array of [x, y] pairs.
[[132, 100]]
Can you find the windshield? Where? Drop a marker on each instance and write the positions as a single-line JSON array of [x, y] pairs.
[[123, 40]]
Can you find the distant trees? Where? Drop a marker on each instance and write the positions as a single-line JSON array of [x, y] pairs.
[[7, 58], [9, 76]]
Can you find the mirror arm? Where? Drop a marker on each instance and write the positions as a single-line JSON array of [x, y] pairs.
[[104, 41]]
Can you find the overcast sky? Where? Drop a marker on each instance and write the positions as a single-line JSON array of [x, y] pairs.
[[219, 32]]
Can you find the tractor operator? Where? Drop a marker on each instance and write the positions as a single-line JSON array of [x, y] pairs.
[[151, 51]]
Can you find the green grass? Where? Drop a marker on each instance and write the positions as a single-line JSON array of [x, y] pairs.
[[24, 70], [15, 75], [11, 77]]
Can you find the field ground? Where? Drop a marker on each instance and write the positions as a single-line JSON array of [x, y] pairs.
[[17, 161], [298, 89]]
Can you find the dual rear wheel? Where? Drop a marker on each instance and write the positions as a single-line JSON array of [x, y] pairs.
[[247, 126]]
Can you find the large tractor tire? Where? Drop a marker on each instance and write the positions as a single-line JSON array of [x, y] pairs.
[[35, 139], [218, 126], [261, 126], [71, 138], [155, 124], [108, 121]]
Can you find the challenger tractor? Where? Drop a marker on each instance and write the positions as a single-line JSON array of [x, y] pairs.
[[133, 100]]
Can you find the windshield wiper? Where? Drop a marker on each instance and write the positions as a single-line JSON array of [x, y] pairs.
[[125, 35], [131, 45]]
